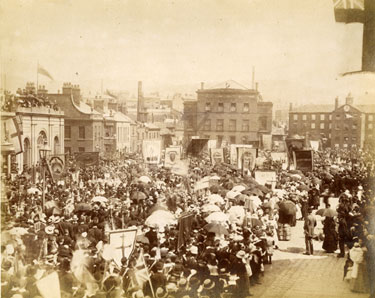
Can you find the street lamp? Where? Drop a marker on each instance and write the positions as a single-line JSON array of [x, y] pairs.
[[43, 151]]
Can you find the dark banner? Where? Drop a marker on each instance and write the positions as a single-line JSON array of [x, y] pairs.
[[303, 160], [86, 159], [196, 146]]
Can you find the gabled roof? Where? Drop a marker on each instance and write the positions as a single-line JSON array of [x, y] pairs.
[[366, 108], [84, 108], [313, 109]]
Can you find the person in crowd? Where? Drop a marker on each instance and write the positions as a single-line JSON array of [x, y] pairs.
[[330, 235], [309, 227]]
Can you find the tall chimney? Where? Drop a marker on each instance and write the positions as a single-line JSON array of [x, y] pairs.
[[290, 106], [349, 99], [140, 102], [202, 85], [336, 103], [256, 86]]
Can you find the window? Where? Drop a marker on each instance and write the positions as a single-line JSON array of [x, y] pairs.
[[346, 139], [233, 107], [81, 132], [313, 117], [232, 125], [220, 107], [81, 149], [321, 125], [354, 126], [245, 125], [232, 139], [68, 132], [219, 124], [295, 117], [370, 117], [207, 124], [330, 125], [312, 125], [206, 136], [322, 117], [263, 123], [354, 139], [330, 117], [370, 126], [337, 126], [67, 150], [245, 107], [338, 116], [304, 117], [208, 106]]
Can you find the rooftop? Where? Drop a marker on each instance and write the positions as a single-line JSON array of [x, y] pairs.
[[313, 109]]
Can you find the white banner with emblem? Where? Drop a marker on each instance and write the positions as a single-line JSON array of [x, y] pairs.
[[122, 243], [151, 151], [266, 177], [172, 156]]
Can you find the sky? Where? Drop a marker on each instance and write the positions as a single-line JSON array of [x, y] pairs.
[[297, 49]]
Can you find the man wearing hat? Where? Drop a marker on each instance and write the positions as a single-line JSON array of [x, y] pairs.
[[158, 278], [209, 289], [309, 226], [239, 269]]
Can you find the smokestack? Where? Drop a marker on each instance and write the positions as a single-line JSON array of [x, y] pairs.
[[349, 99], [336, 103], [256, 86], [290, 106], [202, 85]]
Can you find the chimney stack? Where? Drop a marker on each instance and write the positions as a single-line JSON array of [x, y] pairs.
[[256, 86], [290, 106], [349, 99], [336, 103], [202, 85]]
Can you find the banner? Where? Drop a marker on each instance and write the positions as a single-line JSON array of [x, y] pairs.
[[212, 144], [314, 145], [196, 146], [185, 223], [267, 141], [56, 166], [172, 156], [217, 156], [122, 243], [246, 158], [86, 159], [181, 168], [13, 132], [151, 151], [266, 177], [49, 286], [202, 184], [282, 157], [233, 152], [303, 160]]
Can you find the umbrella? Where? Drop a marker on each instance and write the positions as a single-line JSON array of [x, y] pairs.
[[138, 195], [143, 239], [236, 214], [157, 207], [33, 190], [239, 188], [160, 218], [216, 228], [327, 212], [215, 198], [232, 194], [263, 188], [18, 231], [144, 179], [254, 221], [287, 208], [215, 178], [83, 207], [217, 217], [254, 191], [210, 208], [99, 199], [302, 187]]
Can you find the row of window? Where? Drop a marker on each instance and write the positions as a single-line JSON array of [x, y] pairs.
[[232, 107], [232, 125], [323, 117], [338, 126], [69, 149], [68, 132]]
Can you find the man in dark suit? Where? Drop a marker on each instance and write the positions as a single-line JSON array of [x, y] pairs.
[[309, 226]]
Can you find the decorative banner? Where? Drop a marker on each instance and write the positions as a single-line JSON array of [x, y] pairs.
[[266, 177], [217, 155], [212, 144], [13, 133], [172, 156], [303, 160], [56, 166], [314, 145], [233, 152], [49, 286], [246, 158], [267, 141], [86, 159], [122, 243], [281, 156], [151, 151]]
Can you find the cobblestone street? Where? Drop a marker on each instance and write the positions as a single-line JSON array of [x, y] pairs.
[[293, 274]]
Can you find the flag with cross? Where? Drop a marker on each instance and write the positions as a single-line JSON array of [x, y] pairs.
[[122, 243]]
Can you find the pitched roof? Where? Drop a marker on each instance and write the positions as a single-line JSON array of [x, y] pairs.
[[366, 108]]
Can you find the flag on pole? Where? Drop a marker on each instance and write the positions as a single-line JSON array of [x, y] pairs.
[[44, 72], [185, 223], [141, 274], [49, 286]]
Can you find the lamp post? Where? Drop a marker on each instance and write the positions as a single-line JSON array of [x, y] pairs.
[[43, 159]]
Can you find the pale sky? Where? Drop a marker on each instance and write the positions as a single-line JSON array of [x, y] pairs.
[[296, 47]]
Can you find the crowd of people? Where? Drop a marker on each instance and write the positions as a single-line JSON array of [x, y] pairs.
[[224, 248], [26, 100]]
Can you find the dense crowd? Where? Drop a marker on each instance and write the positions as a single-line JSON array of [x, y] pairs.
[[234, 226], [26, 100]]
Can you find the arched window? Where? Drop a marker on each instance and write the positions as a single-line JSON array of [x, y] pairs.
[[42, 139], [26, 153], [56, 145]]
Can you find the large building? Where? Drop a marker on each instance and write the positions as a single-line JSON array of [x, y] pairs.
[[228, 112], [337, 126]]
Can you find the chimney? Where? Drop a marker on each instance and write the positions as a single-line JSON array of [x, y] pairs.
[[140, 102], [349, 99], [336, 103], [256, 86], [202, 85], [290, 106]]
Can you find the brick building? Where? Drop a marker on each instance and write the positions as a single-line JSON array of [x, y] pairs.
[[228, 112], [342, 126]]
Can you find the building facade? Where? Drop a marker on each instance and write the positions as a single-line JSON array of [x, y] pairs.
[[337, 126], [230, 113]]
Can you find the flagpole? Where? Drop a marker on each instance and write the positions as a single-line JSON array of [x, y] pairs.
[[37, 77]]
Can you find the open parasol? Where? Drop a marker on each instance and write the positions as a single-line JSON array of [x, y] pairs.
[[99, 199], [144, 179], [215, 198], [216, 228], [160, 219], [210, 208], [217, 217], [327, 212], [287, 208]]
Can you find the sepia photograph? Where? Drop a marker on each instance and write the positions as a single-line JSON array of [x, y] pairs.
[[187, 148]]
